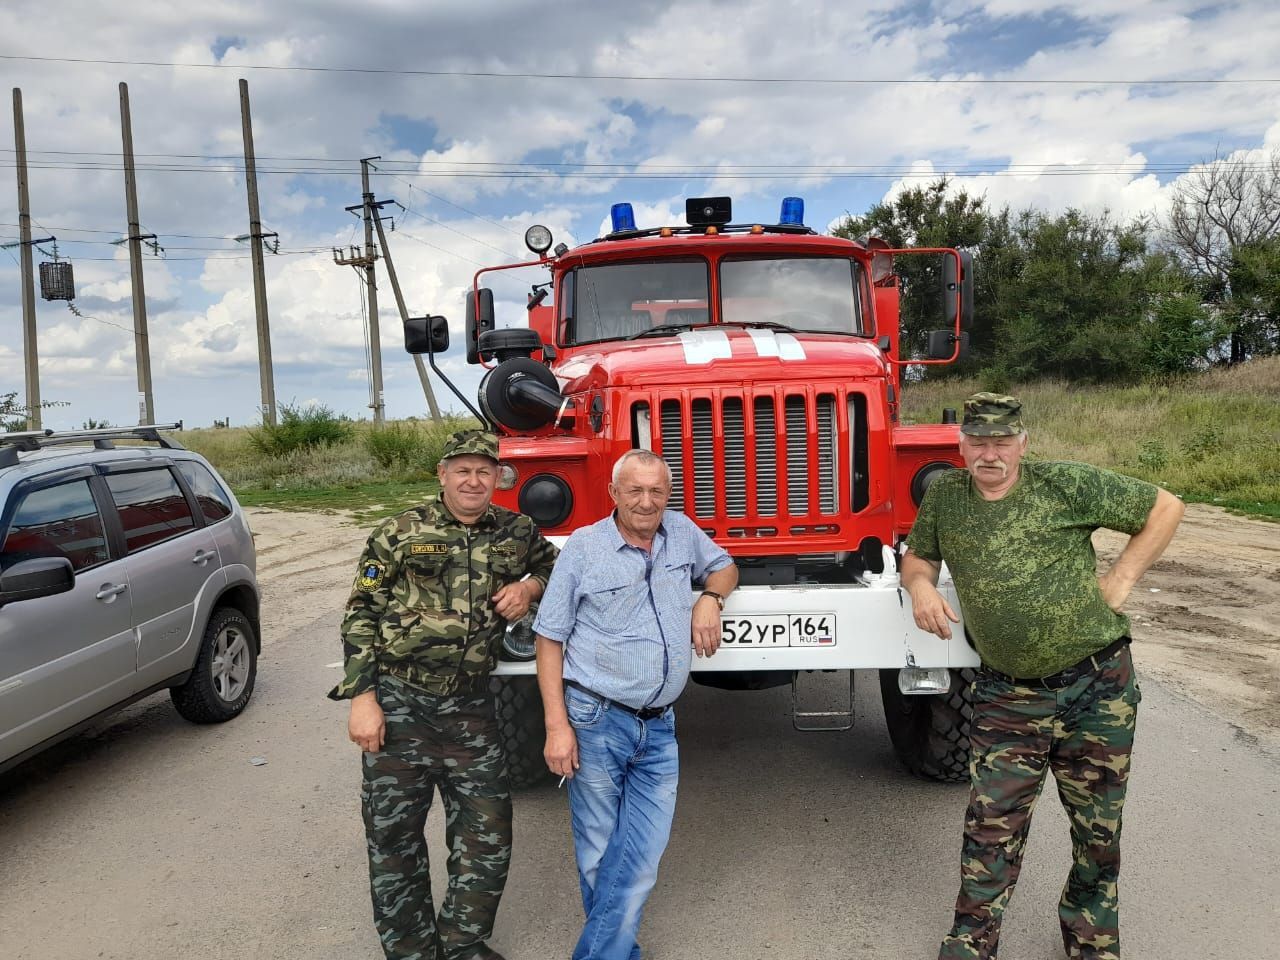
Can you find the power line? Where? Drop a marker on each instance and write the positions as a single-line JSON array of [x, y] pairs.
[[503, 167], [795, 173], [662, 78], [457, 206]]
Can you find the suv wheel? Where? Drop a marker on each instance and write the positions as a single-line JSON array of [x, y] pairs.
[[222, 681]]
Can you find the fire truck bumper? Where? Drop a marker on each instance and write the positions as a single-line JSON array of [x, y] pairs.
[[823, 627]]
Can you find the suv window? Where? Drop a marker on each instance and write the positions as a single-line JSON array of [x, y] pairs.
[[57, 521], [152, 507], [213, 500]]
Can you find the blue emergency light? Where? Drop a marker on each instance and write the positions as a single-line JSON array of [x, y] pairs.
[[622, 216], [792, 212]]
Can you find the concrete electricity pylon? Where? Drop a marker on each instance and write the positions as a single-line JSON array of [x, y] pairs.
[[255, 236], [141, 343]]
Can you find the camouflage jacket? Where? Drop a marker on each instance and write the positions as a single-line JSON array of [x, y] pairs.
[[421, 608]]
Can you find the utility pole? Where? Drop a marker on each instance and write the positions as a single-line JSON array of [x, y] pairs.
[[255, 237], [141, 345], [371, 285], [404, 318], [30, 356]]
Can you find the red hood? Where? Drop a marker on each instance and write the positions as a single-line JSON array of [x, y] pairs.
[[720, 355]]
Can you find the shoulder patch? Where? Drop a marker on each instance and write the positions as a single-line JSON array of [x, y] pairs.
[[418, 549], [371, 575]]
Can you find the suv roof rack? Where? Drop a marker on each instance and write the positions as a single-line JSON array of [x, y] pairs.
[[31, 440]]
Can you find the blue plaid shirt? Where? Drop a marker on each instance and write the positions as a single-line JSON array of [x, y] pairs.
[[624, 615]]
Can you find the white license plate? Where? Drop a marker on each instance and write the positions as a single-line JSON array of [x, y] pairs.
[[779, 630]]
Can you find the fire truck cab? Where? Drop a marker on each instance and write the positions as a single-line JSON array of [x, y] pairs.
[[761, 362]]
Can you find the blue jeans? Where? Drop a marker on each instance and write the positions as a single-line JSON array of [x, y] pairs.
[[622, 800]]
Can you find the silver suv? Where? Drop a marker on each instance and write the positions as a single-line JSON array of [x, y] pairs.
[[123, 570]]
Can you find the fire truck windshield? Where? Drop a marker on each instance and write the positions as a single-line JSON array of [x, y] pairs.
[[623, 301], [618, 300], [814, 294]]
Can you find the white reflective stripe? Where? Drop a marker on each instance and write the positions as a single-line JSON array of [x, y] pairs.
[[781, 345], [703, 346], [766, 343], [789, 348]]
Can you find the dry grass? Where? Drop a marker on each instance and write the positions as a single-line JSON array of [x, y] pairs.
[[1213, 437]]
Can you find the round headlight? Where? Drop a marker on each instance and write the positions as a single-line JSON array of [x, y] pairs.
[[547, 499], [925, 476], [507, 476], [538, 239], [518, 641]]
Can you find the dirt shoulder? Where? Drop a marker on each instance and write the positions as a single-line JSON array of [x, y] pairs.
[[1204, 618]]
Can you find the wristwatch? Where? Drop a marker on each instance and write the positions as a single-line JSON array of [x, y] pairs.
[[714, 596]]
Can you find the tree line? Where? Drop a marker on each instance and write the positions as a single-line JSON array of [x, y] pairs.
[[1087, 297]]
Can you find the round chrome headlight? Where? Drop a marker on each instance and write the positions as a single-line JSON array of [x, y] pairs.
[[538, 239], [507, 476], [518, 642]]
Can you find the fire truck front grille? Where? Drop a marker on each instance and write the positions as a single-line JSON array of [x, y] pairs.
[[724, 466]]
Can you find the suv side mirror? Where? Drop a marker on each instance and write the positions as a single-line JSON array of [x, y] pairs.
[[965, 283], [41, 577], [479, 320], [942, 344], [426, 335]]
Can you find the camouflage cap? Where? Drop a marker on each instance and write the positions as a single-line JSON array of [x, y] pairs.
[[992, 415], [480, 443]]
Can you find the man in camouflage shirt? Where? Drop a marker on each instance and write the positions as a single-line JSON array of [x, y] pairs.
[[434, 591], [1056, 691]]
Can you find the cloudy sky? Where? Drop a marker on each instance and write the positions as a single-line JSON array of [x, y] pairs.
[[493, 115]]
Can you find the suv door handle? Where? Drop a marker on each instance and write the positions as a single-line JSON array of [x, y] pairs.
[[203, 556], [109, 591]]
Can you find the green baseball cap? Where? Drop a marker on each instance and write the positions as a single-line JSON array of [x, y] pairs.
[[992, 415], [479, 443]]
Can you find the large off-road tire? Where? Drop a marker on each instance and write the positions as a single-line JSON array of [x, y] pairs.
[[222, 681], [518, 706], [930, 733]]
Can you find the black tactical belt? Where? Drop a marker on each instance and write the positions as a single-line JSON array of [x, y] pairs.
[[1064, 678], [644, 713]]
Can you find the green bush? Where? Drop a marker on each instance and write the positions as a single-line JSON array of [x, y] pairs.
[[397, 444], [1153, 455], [301, 428], [1205, 442]]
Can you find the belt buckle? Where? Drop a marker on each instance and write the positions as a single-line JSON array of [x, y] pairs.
[[1064, 678]]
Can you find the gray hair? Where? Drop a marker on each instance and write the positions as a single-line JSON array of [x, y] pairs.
[[644, 457]]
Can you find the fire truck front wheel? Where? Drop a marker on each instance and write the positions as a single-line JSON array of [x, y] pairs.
[[520, 725], [930, 732]]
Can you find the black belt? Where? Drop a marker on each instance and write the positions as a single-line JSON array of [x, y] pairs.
[[1064, 678], [644, 713]]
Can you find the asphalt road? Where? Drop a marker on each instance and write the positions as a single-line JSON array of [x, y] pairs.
[[150, 838]]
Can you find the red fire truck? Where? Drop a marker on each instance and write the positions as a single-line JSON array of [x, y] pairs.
[[761, 361]]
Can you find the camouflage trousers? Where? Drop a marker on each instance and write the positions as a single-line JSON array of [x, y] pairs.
[[449, 743], [1083, 733]]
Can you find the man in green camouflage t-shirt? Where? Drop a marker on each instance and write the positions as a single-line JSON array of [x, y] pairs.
[[1056, 691], [434, 591]]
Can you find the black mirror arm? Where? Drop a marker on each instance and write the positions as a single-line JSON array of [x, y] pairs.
[[431, 362]]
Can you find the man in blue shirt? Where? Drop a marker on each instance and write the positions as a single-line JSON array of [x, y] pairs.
[[615, 631]]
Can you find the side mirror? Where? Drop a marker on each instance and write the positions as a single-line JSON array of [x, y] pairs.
[[965, 283], [41, 577], [426, 335], [942, 344], [479, 320]]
